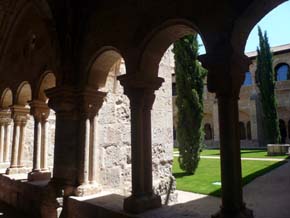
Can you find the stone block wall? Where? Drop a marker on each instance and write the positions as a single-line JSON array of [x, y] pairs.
[[115, 140]]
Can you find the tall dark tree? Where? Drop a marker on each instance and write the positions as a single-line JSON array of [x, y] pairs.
[[265, 78], [189, 83]]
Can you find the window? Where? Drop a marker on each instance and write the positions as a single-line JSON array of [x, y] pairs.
[[282, 72], [208, 131], [242, 131], [283, 131], [249, 134], [248, 79]]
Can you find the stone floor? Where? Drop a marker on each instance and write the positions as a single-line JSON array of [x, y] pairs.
[[268, 196], [9, 212]]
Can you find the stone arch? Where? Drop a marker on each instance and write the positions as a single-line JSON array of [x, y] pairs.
[[249, 130], [283, 130], [246, 21], [242, 130], [23, 94], [282, 72], [159, 41], [101, 65], [47, 81], [6, 98], [208, 131]]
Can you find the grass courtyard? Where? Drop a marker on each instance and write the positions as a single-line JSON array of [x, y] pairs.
[[206, 179]]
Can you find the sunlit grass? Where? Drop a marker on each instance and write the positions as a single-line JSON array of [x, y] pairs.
[[208, 172]]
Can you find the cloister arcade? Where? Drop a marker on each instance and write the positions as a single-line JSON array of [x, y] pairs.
[[58, 56]]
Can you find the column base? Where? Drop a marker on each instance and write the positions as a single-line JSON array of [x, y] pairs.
[[243, 213], [87, 189], [39, 175], [16, 170], [139, 204]]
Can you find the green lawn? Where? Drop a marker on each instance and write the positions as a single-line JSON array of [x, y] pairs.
[[244, 153], [208, 172]]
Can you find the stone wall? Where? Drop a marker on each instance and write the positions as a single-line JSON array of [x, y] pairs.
[[115, 140]]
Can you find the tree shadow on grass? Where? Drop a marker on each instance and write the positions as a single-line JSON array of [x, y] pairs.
[[249, 178]]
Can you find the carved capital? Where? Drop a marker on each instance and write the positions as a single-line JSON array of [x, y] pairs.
[[226, 72], [63, 101], [90, 102], [39, 110], [20, 114], [140, 92], [5, 117]]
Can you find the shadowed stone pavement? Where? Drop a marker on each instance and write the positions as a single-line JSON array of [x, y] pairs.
[[10, 212], [268, 196]]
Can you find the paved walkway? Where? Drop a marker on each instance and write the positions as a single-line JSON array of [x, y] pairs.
[[176, 154], [268, 196]]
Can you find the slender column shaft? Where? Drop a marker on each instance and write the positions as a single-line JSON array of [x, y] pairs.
[[86, 137], [7, 142], [232, 199], [37, 146], [93, 150], [2, 132], [147, 148], [21, 144], [15, 144], [137, 149], [44, 145]]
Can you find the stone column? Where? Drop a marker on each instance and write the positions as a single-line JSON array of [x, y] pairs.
[[7, 140], [20, 115], [90, 101], [40, 112], [141, 95], [64, 102], [1, 142], [225, 77], [5, 120]]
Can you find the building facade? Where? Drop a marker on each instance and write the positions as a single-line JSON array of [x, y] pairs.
[[250, 111]]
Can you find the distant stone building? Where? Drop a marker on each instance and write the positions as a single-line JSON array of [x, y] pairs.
[[251, 133]]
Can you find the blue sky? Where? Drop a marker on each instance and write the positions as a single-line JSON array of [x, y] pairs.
[[277, 25]]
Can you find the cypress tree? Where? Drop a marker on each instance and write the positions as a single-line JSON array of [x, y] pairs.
[[189, 86], [265, 78]]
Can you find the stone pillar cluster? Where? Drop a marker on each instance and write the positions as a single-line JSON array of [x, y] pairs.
[[141, 96], [40, 112], [19, 116], [90, 104], [5, 128]]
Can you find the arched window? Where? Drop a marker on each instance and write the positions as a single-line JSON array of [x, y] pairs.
[[283, 130], [282, 72], [248, 79], [249, 134], [208, 131], [242, 131]]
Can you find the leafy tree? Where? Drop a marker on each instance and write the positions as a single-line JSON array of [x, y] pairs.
[[265, 78], [189, 83]]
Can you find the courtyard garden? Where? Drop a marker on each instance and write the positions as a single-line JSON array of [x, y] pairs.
[[206, 179]]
